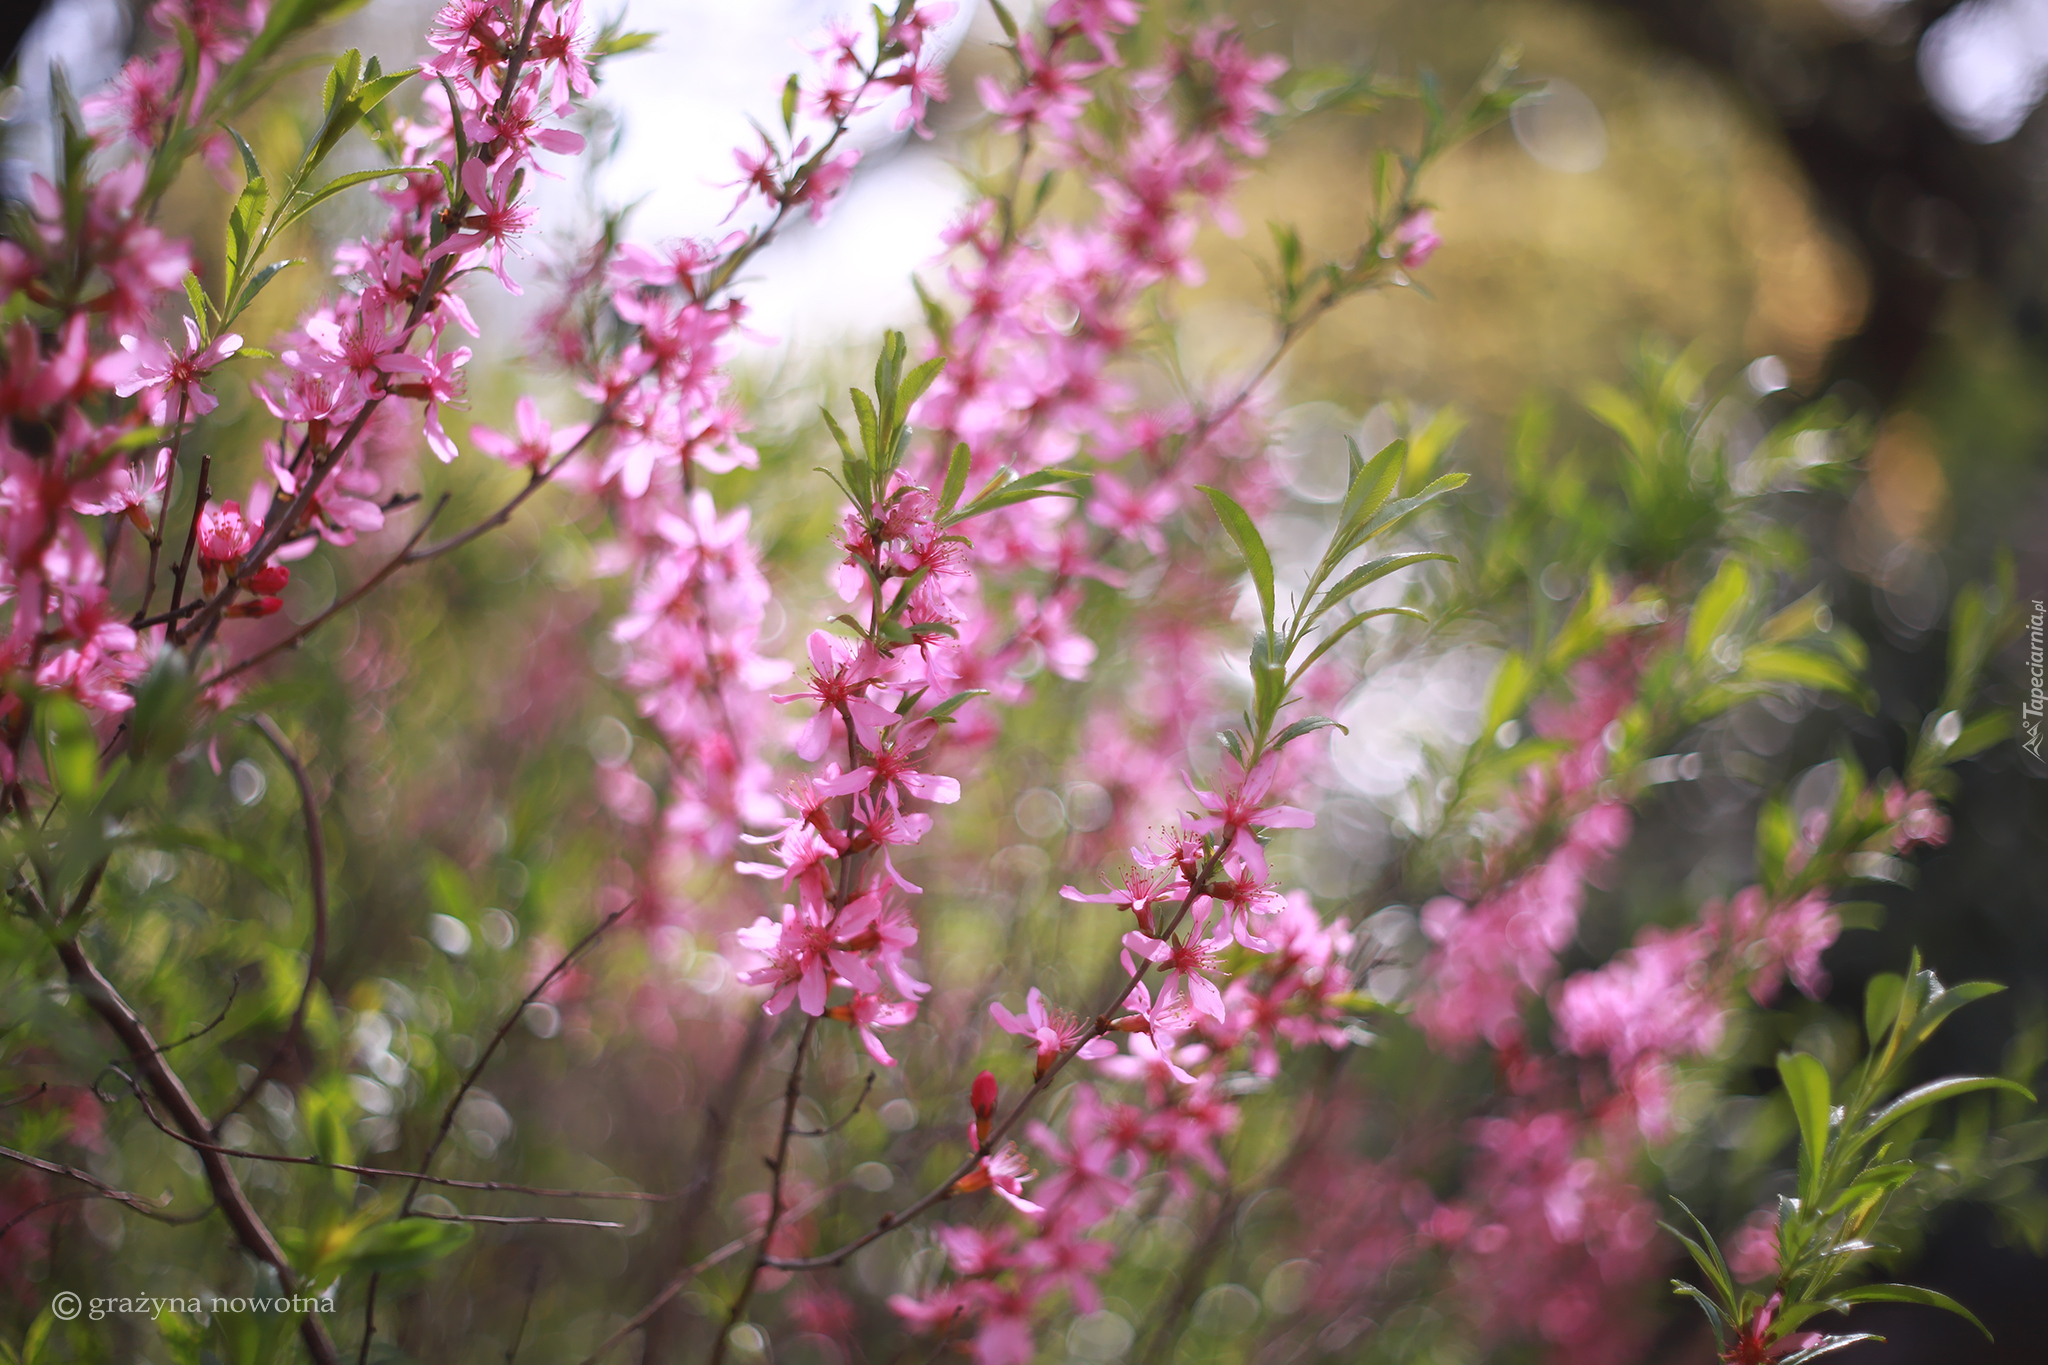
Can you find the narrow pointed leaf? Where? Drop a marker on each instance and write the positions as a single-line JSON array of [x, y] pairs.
[[956, 480], [1250, 544], [1806, 1085], [1907, 1293], [1305, 727], [1717, 607], [1827, 1346], [311, 199], [1934, 1092], [1372, 571], [1715, 1317]]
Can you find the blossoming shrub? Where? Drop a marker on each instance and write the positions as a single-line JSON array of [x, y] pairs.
[[940, 949]]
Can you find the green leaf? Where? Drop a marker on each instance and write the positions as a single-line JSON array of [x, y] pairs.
[[314, 198], [1881, 1005], [870, 426], [1947, 1003], [1800, 667], [1706, 1252], [1620, 413], [1003, 491], [406, 1243], [1427, 446], [1398, 511], [1372, 483], [38, 1334], [1372, 571], [196, 296], [250, 170], [1873, 1183], [1249, 544], [243, 220], [70, 751], [1305, 727], [946, 708], [1827, 1346], [915, 383], [1510, 689], [790, 90], [327, 1125], [956, 480], [256, 283], [1717, 607], [1329, 641], [1907, 1293], [1934, 1092], [1003, 17], [622, 43], [1715, 1317], [1806, 1085], [372, 93], [1980, 734]]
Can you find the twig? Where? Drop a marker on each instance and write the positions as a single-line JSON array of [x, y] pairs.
[[234, 989], [489, 1186], [412, 552], [316, 874], [184, 565], [100, 1189], [791, 1093], [844, 1119], [40, 1088], [525, 1312], [521, 1220], [690, 1272], [142, 1048], [391, 566], [462, 1091]]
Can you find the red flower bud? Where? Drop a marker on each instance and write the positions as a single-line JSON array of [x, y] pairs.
[[257, 606], [983, 1097], [269, 580]]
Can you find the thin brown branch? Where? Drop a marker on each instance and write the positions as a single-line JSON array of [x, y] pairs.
[[792, 1091], [250, 1229], [316, 875], [520, 1220], [829, 1129], [389, 567], [184, 565], [234, 989], [690, 1272], [462, 1091], [483, 1060], [385, 1173], [412, 552], [100, 1188]]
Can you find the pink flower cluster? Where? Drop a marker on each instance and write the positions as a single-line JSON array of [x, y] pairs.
[[97, 263], [882, 705], [1043, 359], [693, 634], [85, 284], [1194, 895]]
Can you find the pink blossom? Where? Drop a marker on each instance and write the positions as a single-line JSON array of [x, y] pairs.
[[537, 443], [1053, 1030], [161, 375]]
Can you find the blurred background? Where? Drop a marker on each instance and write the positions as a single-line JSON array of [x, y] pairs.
[[1837, 197]]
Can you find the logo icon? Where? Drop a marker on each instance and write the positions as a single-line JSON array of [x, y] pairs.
[[66, 1305]]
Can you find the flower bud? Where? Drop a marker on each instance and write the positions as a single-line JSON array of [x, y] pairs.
[[983, 1097], [269, 580], [260, 606]]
